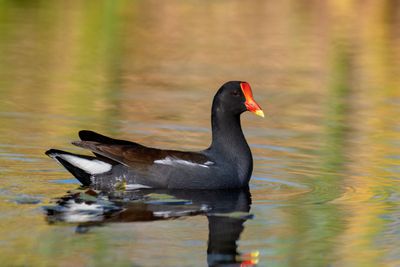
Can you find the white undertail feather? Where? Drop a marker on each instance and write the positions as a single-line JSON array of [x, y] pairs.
[[91, 166], [82, 212], [174, 161]]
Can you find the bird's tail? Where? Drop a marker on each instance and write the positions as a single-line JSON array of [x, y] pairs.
[[81, 166]]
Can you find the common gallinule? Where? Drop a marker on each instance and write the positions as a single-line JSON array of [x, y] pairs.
[[227, 163]]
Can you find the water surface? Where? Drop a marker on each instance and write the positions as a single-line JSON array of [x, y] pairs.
[[325, 188]]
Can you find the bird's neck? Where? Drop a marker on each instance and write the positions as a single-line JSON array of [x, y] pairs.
[[229, 142], [226, 131]]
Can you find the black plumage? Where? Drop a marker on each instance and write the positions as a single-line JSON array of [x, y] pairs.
[[227, 163]]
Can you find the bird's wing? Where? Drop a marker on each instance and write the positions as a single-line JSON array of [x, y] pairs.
[[133, 154]]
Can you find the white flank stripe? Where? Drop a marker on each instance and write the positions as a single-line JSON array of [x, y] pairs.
[[93, 166], [135, 186], [174, 161]]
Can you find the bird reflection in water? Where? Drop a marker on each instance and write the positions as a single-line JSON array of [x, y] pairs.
[[226, 211]]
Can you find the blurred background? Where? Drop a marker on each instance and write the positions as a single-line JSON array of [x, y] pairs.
[[325, 186]]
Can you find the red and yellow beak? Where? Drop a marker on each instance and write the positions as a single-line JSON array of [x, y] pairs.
[[250, 103]]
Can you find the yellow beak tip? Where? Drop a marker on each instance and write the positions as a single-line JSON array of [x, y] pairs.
[[259, 113]]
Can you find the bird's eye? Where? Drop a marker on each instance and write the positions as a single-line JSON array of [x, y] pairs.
[[235, 93]]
